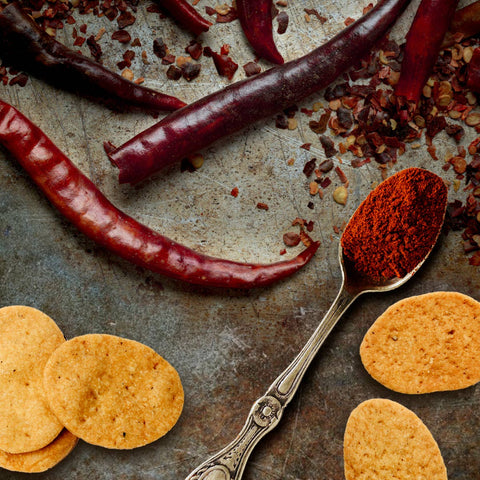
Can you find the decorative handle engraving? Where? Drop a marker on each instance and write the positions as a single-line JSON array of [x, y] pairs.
[[265, 414]]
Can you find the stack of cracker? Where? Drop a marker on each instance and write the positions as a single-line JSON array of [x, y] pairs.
[[106, 390]]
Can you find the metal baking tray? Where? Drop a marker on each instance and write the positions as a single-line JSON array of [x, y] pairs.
[[226, 345]]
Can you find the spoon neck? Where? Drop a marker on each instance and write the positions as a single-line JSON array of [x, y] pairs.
[[287, 383]]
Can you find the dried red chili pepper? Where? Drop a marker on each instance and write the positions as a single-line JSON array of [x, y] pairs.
[[77, 198], [396, 225], [186, 15], [242, 103], [25, 46], [256, 20], [423, 43], [465, 24]]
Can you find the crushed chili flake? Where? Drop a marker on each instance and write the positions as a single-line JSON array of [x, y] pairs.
[[194, 49], [234, 192], [160, 49], [328, 146], [262, 206], [225, 66], [309, 167], [190, 70], [121, 36], [252, 68], [95, 48], [21, 80], [173, 73], [282, 20], [314, 12], [291, 239]]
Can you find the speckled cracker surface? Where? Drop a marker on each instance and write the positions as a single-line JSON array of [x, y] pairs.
[[40, 460], [425, 344], [384, 441], [113, 392], [28, 338]]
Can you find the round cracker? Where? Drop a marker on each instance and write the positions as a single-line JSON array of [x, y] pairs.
[[40, 460], [384, 440], [425, 343], [27, 340], [113, 392]]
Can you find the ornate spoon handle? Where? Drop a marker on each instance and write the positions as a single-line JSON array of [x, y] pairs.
[[265, 414]]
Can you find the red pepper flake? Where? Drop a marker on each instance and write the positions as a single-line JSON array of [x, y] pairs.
[[309, 167], [314, 12], [95, 48], [252, 68], [225, 66], [173, 73], [83, 28], [291, 239], [160, 49], [305, 238], [348, 21], [306, 146], [194, 49], [125, 19], [190, 70], [234, 192], [341, 175], [328, 146], [121, 36], [262, 206], [79, 41], [21, 80], [168, 59], [282, 19]]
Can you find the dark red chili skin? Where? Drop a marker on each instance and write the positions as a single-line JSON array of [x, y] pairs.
[[240, 104], [473, 72], [466, 22], [186, 15], [26, 47], [256, 20], [423, 43], [79, 200]]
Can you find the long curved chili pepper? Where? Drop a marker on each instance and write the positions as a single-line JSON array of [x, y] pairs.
[[224, 112], [466, 22], [423, 43], [79, 200], [186, 15], [256, 20], [25, 46]]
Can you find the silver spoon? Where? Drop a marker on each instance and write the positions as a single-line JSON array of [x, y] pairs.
[[265, 414]]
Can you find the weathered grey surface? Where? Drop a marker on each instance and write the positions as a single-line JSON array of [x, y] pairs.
[[227, 346]]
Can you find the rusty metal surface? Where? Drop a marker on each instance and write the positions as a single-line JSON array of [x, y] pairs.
[[227, 346]]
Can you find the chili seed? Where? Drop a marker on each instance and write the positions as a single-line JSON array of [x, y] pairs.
[[340, 195], [473, 119]]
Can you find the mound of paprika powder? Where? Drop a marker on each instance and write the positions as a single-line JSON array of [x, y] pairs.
[[395, 227]]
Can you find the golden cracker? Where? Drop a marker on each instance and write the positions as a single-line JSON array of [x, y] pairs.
[[425, 343], [384, 440], [40, 460], [113, 392], [27, 340]]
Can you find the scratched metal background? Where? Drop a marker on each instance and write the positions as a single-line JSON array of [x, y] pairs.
[[227, 346]]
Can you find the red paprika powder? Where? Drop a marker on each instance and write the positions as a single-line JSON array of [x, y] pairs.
[[396, 225]]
